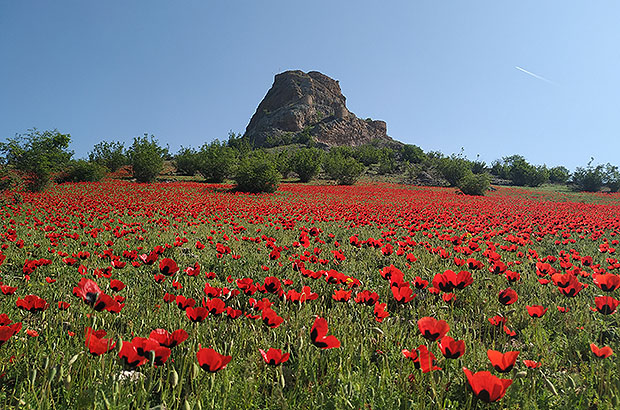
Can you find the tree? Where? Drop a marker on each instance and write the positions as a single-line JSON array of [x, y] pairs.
[[306, 162], [474, 184], [611, 177], [559, 175], [38, 154], [454, 168], [186, 161], [412, 154], [146, 158], [340, 165], [257, 173], [109, 154], [590, 178], [83, 171], [216, 161]]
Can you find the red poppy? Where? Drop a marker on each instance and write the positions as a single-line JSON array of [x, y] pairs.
[[129, 355], [606, 304], [420, 283], [318, 335], [169, 340], [159, 278], [403, 293], [147, 348], [183, 302], [341, 295], [486, 386], [106, 302], [507, 296], [215, 306], [8, 290], [380, 312], [271, 318], [87, 290], [149, 259], [531, 364], [49, 280], [193, 270], [196, 315], [502, 362], [168, 267], [32, 303], [274, 357], [607, 282], [536, 310], [116, 285], [63, 305], [96, 342], [367, 297], [422, 359], [433, 329], [513, 276], [603, 352], [210, 360], [7, 331], [450, 348], [168, 297]]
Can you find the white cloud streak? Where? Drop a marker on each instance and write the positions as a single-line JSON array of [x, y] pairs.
[[534, 75]]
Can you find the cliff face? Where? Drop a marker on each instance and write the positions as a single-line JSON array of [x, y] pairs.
[[312, 103]]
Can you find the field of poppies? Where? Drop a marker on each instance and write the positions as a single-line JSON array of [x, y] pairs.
[[186, 295]]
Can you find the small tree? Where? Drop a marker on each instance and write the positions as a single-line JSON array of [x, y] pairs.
[[257, 173], [340, 166], [83, 171], [474, 184], [559, 175], [38, 154], [454, 168], [611, 177], [146, 158], [306, 162], [590, 178], [412, 154], [216, 161], [109, 154], [187, 161]]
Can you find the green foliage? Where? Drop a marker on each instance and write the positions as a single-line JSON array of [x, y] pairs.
[[306, 162], [341, 166], [612, 177], [454, 168], [520, 172], [590, 178], [216, 161], [146, 158], [38, 154], [412, 154], [283, 162], [240, 143], [83, 171], [109, 154], [559, 175], [367, 154], [257, 173], [387, 161], [187, 161], [474, 184]]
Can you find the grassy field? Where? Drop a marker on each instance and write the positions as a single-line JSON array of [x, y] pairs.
[[270, 271]]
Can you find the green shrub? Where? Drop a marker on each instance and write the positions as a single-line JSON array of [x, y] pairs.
[[257, 173], [343, 169], [38, 154], [186, 161], [83, 171], [589, 179], [216, 161], [474, 184], [146, 158], [306, 163], [559, 175], [453, 169], [612, 177], [109, 154], [412, 154]]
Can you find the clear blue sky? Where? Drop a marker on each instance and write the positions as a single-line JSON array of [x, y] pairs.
[[441, 74]]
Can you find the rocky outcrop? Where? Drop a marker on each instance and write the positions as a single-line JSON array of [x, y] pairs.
[[301, 105]]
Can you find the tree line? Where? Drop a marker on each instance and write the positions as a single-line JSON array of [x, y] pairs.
[[35, 158]]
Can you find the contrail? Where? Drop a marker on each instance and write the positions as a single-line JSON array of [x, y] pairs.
[[534, 75]]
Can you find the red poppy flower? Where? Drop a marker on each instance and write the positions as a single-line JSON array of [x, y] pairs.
[[168, 267], [32, 303], [420, 283], [450, 348], [193, 270], [159, 278], [233, 313], [169, 340], [210, 360], [433, 329], [215, 306], [536, 310], [4, 319], [513, 276], [8, 290], [106, 302], [603, 352], [509, 332], [96, 342], [63, 305], [196, 314], [271, 318], [87, 290], [403, 293], [507, 296], [116, 285], [183, 302], [147, 348], [422, 359], [531, 364], [274, 357], [129, 355], [49, 280], [6, 332], [367, 297], [318, 335], [168, 298], [341, 295], [607, 282], [486, 386], [606, 304], [380, 312], [149, 259], [502, 362]]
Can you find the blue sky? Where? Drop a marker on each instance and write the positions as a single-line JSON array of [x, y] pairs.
[[441, 74]]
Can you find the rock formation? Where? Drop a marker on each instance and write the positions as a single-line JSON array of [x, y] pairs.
[[301, 105]]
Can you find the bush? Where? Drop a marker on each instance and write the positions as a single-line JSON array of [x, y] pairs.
[[257, 173], [38, 155], [474, 184], [146, 158], [612, 178], [187, 161], [345, 170], [367, 154], [83, 171], [559, 175], [216, 161], [387, 161], [453, 169], [412, 154], [109, 154], [283, 162], [306, 163], [589, 179]]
